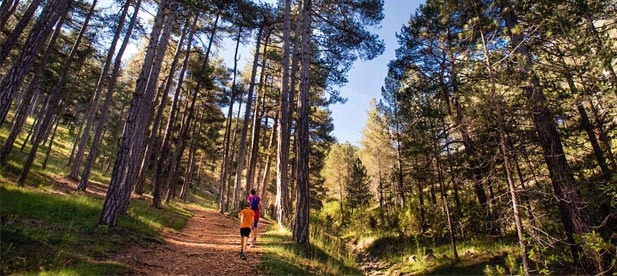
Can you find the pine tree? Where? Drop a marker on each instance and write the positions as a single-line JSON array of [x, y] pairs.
[[358, 194]]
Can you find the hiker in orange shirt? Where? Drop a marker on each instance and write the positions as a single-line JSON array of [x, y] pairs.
[[246, 223]]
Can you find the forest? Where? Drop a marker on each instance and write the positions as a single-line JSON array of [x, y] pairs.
[[496, 126]]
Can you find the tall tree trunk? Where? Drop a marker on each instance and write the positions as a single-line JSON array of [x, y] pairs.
[[420, 180], [164, 155], [458, 116], [301, 227], [446, 206], [61, 83], [12, 81], [603, 135], [53, 102], [21, 115], [7, 8], [186, 122], [282, 161], [266, 177], [586, 124], [257, 115], [571, 206], [55, 123], [188, 175], [497, 102], [152, 144], [245, 124], [11, 40], [138, 115], [25, 107], [100, 127]]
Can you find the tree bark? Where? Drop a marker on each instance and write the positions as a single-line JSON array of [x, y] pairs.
[[100, 127], [11, 40], [7, 8], [120, 184], [225, 166], [257, 116], [186, 122], [53, 102], [247, 117], [571, 206], [282, 164], [12, 81], [301, 227]]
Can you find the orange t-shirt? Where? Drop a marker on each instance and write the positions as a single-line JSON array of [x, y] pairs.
[[246, 218]]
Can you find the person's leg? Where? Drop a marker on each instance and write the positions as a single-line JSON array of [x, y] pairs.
[[244, 234], [255, 222], [254, 233], [242, 241]]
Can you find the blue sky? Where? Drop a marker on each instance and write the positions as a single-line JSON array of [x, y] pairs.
[[367, 77]]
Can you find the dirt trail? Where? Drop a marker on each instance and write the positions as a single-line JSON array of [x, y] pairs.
[[208, 245]]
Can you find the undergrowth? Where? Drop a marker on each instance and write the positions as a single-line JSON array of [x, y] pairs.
[[58, 233]]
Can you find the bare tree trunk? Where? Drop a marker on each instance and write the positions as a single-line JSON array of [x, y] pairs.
[[188, 175], [21, 115], [11, 40], [55, 123], [225, 166], [74, 174], [7, 8], [186, 122], [497, 102], [446, 206], [603, 135], [283, 133], [48, 114], [420, 181], [245, 125], [301, 227], [266, 175], [122, 176], [571, 206], [100, 127], [80, 128], [152, 145], [164, 155], [12, 81], [257, 116]]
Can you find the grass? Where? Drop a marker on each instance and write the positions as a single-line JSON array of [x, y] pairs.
[[282, 256], [58, 234]]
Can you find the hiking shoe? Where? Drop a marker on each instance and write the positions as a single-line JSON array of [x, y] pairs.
[[243, 256]]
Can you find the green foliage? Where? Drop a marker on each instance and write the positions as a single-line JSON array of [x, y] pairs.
[[357, 190], [58, 234]]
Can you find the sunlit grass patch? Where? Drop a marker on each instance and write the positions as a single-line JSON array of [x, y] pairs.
[[59, 233], [283, 256]]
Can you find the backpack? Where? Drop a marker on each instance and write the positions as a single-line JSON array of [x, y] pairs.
[[254, 202]]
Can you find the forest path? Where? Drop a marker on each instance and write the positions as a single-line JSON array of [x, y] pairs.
[[208, 245]]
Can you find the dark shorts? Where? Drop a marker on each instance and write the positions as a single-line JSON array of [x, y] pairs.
[[245, 232]]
